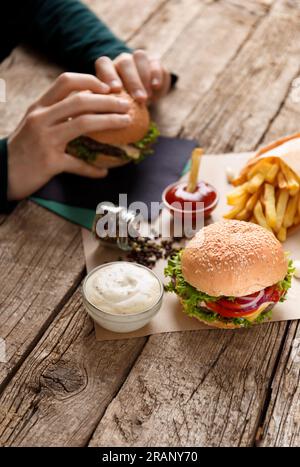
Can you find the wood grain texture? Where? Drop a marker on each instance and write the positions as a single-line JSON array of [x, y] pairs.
[[61, 392], [202, 388], [281, 423], [287, 120], [236, 112], [281, 427], [20, 70], [163, 29], [41, 261], [210, 41], [125, 17]]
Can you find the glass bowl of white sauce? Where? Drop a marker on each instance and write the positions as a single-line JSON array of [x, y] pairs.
[[122, 296]]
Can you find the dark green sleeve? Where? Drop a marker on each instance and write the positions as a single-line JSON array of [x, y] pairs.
[[5, 206], [69, 33]]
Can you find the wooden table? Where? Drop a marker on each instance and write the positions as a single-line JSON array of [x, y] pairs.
[[237, 61]]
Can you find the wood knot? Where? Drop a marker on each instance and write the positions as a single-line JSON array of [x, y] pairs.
[[64, 377]]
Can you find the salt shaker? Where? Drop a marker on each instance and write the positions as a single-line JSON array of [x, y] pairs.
[[116, 226]]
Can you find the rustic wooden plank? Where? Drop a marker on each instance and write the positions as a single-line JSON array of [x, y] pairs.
[[234, 115], [281, 427], [201, 389], [60, 393], [253, 5], [20, 70], [125, 18], [199, 55], [41, 261], [281, 423], [163, 29], [288, 118], [182, 15]]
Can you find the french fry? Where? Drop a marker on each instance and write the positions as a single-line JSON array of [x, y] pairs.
[[234, 212], [272, 174], [282, 234], [270, 208], [255, 183], [235, 196], [193, 177], [291, 211], [263, 167], [281, 206], [253, 200], [243, 215], [239, 180], [267, 192], [292, 182], [297, 219], [260, 217], [239, 201], [282, 183]]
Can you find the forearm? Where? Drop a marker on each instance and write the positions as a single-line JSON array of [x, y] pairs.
[[71, 34]]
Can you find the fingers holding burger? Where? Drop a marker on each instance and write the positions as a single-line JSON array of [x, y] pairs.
[[116, 147]]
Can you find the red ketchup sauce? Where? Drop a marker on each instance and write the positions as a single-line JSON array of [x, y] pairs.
[[205, 193]]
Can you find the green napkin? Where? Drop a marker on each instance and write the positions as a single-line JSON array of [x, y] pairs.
[[81, 216]]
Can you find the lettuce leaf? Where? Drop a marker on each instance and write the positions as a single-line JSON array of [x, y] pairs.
[[145, 144], [287, 281], [78, 148], [150, 138]]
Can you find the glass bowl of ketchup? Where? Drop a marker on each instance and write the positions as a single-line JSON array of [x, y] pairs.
[[182, 203]]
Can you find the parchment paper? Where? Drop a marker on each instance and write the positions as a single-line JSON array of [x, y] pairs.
[[170, 318], [288, 151]]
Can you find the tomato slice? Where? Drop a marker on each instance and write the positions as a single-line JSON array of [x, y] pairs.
[[245, 306], [214, 306], [274, 294]]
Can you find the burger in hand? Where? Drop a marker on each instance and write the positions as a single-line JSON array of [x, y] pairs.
[[114, 148], [231, 275]]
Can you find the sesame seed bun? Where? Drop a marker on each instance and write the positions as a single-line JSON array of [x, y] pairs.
[[131, 134], [233, 258], [219, 324]]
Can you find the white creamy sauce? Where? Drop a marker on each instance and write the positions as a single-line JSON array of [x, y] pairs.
[[122, 288], [230, 174]]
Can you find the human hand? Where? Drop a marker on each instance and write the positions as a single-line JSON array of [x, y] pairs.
[[36, 149], [143, 76]]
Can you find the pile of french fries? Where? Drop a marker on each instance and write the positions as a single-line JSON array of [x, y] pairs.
[[267, 193]]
